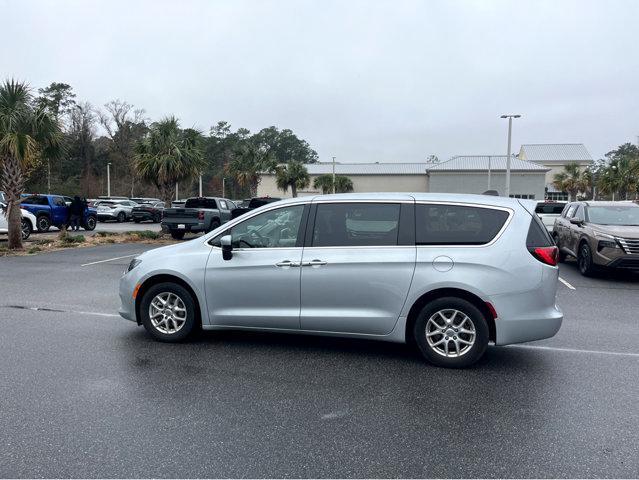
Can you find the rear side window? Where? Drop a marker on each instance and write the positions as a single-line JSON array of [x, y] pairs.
[[356, 224], [538, 235], [35, 200], [200, 203], [59, 202], [440, 224]]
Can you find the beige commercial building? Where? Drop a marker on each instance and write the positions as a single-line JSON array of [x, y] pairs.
[[555, 156], [461, 174]]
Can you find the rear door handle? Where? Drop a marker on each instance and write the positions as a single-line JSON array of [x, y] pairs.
[[314, 263], [287, 263]]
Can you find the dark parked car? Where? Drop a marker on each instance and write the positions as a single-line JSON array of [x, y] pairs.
[[599, 234], [200, 214], [252, 204], [148, 211]]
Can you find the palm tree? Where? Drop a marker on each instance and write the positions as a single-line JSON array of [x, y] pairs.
[[571, 180], [325, 183], [168, 155], [293, 175], [247, 164], [27, 134]]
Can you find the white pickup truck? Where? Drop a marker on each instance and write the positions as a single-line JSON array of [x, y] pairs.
[[548, 212]]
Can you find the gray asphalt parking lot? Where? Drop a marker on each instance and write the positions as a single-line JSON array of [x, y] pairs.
[[88, 394]]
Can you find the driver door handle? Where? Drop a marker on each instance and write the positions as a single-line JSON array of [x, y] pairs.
[[287, 263]]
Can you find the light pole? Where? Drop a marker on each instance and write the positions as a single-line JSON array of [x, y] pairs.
[[510, 129], [333, 174], [223, 187], [177, 195], [489, 159], [109, 179], [49, 176], [200, 184]]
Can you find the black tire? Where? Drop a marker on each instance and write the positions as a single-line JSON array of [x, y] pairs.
[[43, 223], [157, 218], [121, 217], [432, 353], [26, 228], [177, 234], [584, 260], [214, 224], [190, 323], [137, 220], [561, 256], [90, 223]]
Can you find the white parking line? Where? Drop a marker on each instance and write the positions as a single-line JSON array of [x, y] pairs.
[[575, 350], [109, 260], [567, 284]]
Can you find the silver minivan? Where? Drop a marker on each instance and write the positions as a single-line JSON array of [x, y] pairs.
[[451, 273]]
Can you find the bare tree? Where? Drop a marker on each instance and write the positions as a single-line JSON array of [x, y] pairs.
[[124, 125]]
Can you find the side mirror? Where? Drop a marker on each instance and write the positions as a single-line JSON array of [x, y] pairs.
[[227, 247], [576, 221]]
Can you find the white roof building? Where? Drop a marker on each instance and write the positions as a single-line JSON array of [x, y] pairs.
[[555, 156], [460, 174]]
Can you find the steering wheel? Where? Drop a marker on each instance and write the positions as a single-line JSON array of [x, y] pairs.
[[254, 233]]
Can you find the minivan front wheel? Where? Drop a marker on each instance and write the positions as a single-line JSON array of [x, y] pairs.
[[168, 312], [451, 332]]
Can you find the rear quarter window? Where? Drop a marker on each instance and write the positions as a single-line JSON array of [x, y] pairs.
[[442, 224], [538, 235]]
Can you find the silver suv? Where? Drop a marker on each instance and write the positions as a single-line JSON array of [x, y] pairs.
[[449, 272]]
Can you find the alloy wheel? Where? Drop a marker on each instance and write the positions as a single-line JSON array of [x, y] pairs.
[[167, 313], [450, 333]]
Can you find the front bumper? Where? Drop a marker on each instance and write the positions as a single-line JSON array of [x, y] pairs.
[[107, 216], [128, 283], [628, 262]]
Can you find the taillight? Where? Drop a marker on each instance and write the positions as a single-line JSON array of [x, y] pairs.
[[547, 255], [200, 215]]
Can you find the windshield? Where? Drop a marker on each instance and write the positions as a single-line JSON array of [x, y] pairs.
[[614, 215]]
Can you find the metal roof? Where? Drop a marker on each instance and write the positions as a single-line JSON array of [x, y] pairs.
[[557, 152], [481, 162], [368, 168]]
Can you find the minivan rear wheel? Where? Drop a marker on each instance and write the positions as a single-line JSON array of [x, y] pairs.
[[168, 312], [451, 332]]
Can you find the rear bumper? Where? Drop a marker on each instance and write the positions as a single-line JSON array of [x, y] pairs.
[[188, 227], [107, 216], [142, 215], [528, 329]]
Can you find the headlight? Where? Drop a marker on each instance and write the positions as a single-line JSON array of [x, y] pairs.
[[603, 236], [134, 263], [605, 241]]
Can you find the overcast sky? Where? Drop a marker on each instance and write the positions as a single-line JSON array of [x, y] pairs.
[[361, 80]]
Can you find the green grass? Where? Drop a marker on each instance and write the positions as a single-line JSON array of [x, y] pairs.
[[145, 234], [44, 241], [105, 234], [72, 239], [33, 250]]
